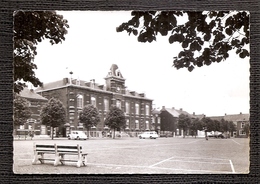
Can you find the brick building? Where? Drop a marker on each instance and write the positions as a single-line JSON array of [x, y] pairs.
[[240, 120], [33, 124], [75, 94]]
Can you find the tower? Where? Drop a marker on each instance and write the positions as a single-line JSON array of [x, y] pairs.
[[115, 81]]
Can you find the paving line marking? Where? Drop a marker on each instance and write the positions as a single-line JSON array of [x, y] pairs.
[[161, 168], [202, 158], [236, 142], [232, 166], [199, 162], [161, 162]]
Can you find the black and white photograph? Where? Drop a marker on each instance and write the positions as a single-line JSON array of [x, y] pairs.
[[131, 92]]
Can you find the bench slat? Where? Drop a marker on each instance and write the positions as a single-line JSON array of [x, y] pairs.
[[44, 146], [61, 151]]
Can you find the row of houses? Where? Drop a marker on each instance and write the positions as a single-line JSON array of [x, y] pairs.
[[166, 121], [76, 93]]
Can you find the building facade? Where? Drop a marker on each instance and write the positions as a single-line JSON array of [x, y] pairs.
[[32, 125], [75, 94], [240, 120]]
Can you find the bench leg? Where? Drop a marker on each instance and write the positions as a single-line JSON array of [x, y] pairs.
[[79, 163], [57, 160], [35, 158], [62, 158], [42, 158], [84, 160]]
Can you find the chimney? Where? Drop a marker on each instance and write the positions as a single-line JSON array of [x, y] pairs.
[[180, 109], [240, 112], [65, 81], [173, 108], [163, 107], [193, 113]]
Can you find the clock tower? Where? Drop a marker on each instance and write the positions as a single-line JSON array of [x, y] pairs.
[[115, 81]]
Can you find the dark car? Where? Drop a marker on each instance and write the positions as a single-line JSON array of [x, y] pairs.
[[222, 136]]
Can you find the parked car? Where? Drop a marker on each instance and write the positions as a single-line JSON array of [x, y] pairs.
[[77, 135], [222, 136], [151, 135]]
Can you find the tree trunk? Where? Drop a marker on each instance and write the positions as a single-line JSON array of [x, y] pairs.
[[52, 132], [114, 133], [183, 133]]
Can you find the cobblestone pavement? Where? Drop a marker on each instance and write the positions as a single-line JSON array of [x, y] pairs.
[[141, 156]]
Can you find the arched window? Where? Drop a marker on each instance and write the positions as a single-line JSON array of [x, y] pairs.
[[118, 104], [93, 101], [127, 107], [137, 109], [136, 124], [106, 104], [147, 125], [80, 102], [147, 110]]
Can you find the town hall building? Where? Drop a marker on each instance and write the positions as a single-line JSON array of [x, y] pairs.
[[75, 94]]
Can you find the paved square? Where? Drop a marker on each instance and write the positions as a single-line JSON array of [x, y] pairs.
[[142, 156]]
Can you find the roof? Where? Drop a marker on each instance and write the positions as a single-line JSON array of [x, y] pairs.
[[86, 84], [30, 94], [216, 117], [237, 117], [175, 113]]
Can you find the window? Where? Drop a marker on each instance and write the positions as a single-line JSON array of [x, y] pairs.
[[147, 125], [136, 124], [242, 124], [80, 101], [118, 104], [137, 109], [21, 127], [147, 110], [93, 101], [106, 104], [242, 132], [127, 124], [159, 120], [127, 107]]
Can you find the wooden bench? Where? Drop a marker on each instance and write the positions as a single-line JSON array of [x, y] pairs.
[[59, 152]]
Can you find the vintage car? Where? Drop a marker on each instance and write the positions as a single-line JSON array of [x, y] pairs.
[[150, 135]]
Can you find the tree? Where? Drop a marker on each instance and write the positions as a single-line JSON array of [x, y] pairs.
[[115, 119], [205, 37], [21, 110], [53, 114], [246, 129], [195, 126], [89, 116], [30, 28], [184, 123], [232, 127]]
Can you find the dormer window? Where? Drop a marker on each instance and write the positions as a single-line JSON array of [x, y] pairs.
[[78, 82]]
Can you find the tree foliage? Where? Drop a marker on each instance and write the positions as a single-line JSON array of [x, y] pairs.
[[89, 116], [205, 37], [30, 28], [246, 129], [115, 119], [53, 114], [21, 110], [184, 123]]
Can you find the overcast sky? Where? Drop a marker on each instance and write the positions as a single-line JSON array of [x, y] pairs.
[[92, 45]]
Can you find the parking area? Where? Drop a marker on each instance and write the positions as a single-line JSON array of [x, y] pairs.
[[142, 156]]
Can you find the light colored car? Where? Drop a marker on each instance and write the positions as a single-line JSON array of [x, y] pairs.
[[77, 135], [151, 135]]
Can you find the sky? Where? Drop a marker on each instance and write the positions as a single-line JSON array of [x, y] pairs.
[[92, 45]]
